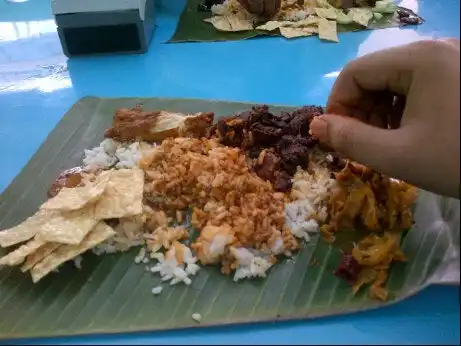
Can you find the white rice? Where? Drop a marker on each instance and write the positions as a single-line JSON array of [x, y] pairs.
[[170, 270], [157, 290], [141, 255], [111, 153], [298, 217], [249, 265]]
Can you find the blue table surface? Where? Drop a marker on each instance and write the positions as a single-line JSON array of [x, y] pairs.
[[38, 84]]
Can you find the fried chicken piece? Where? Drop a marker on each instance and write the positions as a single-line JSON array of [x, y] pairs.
[[155, 126], [132, 124]]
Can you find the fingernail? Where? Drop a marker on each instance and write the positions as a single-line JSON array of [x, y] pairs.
[[319, 128]]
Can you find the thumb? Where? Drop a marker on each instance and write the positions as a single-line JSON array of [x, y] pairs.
[[372, 146]]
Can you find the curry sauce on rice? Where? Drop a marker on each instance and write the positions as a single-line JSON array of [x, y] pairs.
[[241, 193]]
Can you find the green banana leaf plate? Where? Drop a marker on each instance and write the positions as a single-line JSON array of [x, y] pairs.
[[112, 294], [192, 28]]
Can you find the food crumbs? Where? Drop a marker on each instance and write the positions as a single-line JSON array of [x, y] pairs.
[[313, 262], [157, 290], [197, 317]]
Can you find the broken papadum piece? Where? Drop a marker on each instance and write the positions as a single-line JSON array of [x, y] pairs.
[[76, 198], [361, 16], [328, 30], [123, 195], [230, 23], [64, 253], [297, 32], [18, 256], [67, 227], [39, 255], [25, 230]]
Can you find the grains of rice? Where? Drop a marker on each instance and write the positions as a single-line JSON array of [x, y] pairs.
[[249, 265], [299, 217], [110, 153], [141, 255], [102, 155], [157, 290], [176, 266], [314, 187]]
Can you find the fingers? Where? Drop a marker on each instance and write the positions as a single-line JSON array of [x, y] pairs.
[[451, 41], [253, 6], [381, 149], [389, 69], [264, 8], [271, 7]]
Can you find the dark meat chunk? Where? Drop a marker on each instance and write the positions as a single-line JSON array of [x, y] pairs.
[[69, 178], [267, 165], [301, 119], [286, 135], [282, 181], [254, 115], [254, 152], [348, 269], [231, 131], [265, 136], [294, 151]]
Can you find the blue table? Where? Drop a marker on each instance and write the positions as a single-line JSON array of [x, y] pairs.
[[38, 85]]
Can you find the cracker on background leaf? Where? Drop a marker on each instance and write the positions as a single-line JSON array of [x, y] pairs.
[[361, 16], [230, 23], [328, 30], [297, 32], [327, 13]]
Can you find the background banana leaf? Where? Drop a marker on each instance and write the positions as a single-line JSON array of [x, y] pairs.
[[112, 294], [191, 26]]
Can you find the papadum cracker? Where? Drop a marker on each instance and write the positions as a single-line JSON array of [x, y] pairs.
[[68, 227], [25, 230], [327, 13], [123, 195], [64, 253], [18, 256], [230, 23], [77, 197], [328, 30], [272, 25], [297, 32], [39, 255]]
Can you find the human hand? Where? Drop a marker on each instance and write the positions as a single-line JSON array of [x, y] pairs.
[[263, 8], [416, 139]]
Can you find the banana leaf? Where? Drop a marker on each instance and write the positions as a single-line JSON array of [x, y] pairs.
[[192, 28], [112, 294]]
